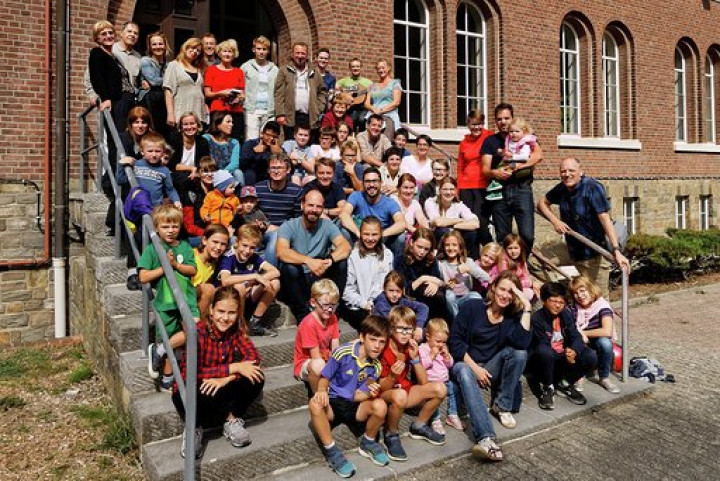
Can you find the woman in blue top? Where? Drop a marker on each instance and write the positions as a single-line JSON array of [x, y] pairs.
[[152, 69], [384, 98], [224, 149]]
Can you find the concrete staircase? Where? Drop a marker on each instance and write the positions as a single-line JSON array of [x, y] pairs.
[[282, 446]]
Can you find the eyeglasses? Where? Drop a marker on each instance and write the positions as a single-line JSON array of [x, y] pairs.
[[327, 307], [207, 172], [404, 330], [277, 168]]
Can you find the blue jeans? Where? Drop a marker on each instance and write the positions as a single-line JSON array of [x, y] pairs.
[[454, 302], [604, 348], [505, 367], [517, 203], [451, 402], [270, 241]]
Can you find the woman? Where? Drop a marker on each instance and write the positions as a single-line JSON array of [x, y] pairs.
[[344, 132], [489, 341], [384, 98], [225, 87], [152, 69], [419, 165], [189, 146], [411, 209], [223, 148], [183, 83], [390, 170], [445, 212], [139, 123], [471, 182]]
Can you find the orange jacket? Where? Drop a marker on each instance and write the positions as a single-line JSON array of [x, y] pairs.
[[221, 209]]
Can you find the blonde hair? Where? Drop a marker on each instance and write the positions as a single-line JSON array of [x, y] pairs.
[[229, 44], [166, 213], [100, 26], [436, 325], [325, 288], [522, 124], [492, 246], [402, 314], [190, 43], [261, 40], [581, 281], [250, 232]]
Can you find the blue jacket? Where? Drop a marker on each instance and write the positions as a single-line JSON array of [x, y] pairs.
[[543, 330], [382, 306]]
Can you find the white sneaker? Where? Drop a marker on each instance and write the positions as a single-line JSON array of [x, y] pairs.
[[505, 417], [236, 433], [609, 386], [437, 426]]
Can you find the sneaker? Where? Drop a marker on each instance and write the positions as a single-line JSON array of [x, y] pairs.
[[545, 401], [593, 377], [454, 421], [426, 433], [155, 361], [198, 443], [236, 433], [166, 383], [486, 448], [374, 451], [494, 191], [506, 418], [133, 283], [573, 395], [257, 329], [394, 448], [437, 426], [579, 385], [339, 463], [609, 386]]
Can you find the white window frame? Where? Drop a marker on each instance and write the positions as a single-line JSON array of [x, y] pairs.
[[681, 211], [424, 59], [629, 214], [680, 97], [705, 206], [611, 84], [569, 56], [480, 64], [709, 76]]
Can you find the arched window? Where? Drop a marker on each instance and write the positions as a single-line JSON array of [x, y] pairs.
[[569, 80], [611, 86], [471, 61], [680, 106], [709, 106], [411, 60]]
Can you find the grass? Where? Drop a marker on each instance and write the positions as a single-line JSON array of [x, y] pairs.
[[9, 402], [118, 432], [80, 373]]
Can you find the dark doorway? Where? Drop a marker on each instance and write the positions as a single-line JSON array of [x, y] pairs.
[[242, 21]]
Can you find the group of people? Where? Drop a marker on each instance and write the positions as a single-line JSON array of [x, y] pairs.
[[303, 188]]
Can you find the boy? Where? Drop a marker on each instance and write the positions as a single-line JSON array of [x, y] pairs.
[[252, 276], [298, 150], [221, 203], [248, 212], [260, 75], [347, 394], [167, 220], [318, 334], [400, 139]]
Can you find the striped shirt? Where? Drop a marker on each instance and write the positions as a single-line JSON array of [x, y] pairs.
[[278, 205]]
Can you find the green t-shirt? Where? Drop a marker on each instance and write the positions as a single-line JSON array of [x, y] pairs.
[[164, 300], [352, 86]]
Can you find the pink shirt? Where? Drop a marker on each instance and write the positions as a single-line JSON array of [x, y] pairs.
[[438, 369], [311, 334]]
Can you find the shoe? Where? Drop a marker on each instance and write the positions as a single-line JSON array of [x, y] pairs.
[[374, 451], [573, 395], [133, 283], [339, 463], [506, 418], [437, 426], [166, 384], [494, 191], [545, 401], [593, 377], [394, 448], [236, 433], [426, 433], [454, 421], [198, 443], [155, 361], [579, 385], [486, 448], [609, 386], [257, 329]]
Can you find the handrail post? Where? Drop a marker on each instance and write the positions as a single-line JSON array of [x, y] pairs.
[[101, 149], [625, 325]]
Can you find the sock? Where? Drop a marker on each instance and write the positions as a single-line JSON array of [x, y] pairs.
[[329, 446], [160, 349], [132, 271], [167, 378], [368, 438]]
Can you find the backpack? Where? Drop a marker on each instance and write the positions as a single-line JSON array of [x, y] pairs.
[[649, 370], [137, 204]]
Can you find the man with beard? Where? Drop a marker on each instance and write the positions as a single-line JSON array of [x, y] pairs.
[[310, 248]]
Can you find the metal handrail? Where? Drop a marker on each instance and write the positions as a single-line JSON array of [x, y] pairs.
[[433, 146]]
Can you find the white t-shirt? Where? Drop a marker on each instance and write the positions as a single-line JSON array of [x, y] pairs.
[[188, 157], [421, 172], [316, 152]]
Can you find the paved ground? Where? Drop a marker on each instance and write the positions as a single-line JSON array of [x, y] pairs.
[[673, 433]]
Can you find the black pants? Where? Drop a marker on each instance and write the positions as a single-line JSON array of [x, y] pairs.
[[296, 285], [550, 367], [436, 304], [354, 317], [119, 112], [233, 399], [475, 200]]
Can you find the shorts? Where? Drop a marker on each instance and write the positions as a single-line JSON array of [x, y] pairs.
[[172, 320], [345, 412]]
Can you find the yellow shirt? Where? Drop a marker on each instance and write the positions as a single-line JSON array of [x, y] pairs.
[[204, 271]]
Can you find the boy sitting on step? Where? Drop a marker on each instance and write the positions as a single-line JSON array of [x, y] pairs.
[[348, 393]]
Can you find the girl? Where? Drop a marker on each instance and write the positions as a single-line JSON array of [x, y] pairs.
[[419, 164], [440, 172], [445, 212], [594, 320], [183, 83], [390, 170], [193, 222], [458, 272], [152, 69], [488, 261], [228, 371], [437, 361], [213, 245], [224, 148], [393, 295], [515, 259], [225, 87], [343, 133], [421, 271], [368, 264], [399, 357], [414, 215]]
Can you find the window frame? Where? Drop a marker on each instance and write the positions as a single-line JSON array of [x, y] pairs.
[[424, 59], [681, 211], [565, 53], [709, 100], [630, 214], [681, 119], [705, 211], [467, 66], [607, 107]]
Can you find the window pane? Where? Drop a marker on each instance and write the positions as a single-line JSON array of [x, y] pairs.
[[461, 82], [400, 10], [461, 49], [400, 44], [416, 43], [460, 17], [416, 78], [415, 12], [415, 105]]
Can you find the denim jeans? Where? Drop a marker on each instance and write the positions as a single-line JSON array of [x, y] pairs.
[[505, 367], [517, 203], [454, 302], [270, 241], [604, 348], [452, 408]]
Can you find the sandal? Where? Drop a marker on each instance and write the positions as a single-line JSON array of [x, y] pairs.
[[487, 449]]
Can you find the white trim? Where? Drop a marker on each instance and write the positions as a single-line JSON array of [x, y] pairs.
[[629, 218], [406, 58], [614, 59], [682, 112], [706, 148], [704, 209], [575, 141], [482, 67], [441, 135], [566, 53], [709, 77]]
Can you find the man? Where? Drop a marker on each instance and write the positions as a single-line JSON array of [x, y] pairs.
[[278, 198], [300, 94], [517, 197], [124, 51], [357, 86], [310, 248], [260, 75], [372, 143], [371, 202], [209, 42], [255, 153], [584, 208], [322, 61], [333, 194]]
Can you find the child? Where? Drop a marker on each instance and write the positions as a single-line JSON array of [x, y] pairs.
[[348, 172], [594, 320], [318, 334], [327, 147], [368, 264], [421, 272], [488, 261], [167, 220], [337, 112], [221, 203], [192, 220], [229, 375], [519, 144], [252, 276], [437, 361], [400, 139], [514, 258], [458, 272], [298, 150], [213, 245], [393, 295], [249, 213], [399, 357], [343, 133], [348, 394]]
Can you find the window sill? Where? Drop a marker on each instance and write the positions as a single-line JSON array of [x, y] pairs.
[[574, 141], [440, 135], [707, 148]]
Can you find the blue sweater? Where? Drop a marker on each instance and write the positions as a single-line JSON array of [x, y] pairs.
[[382, 306], [155, 178]]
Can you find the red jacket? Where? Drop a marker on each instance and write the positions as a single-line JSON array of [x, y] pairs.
[[469, 164]]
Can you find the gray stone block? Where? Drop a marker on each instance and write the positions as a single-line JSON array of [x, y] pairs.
[[125, 332], [94, 202], [109, 270], [99, 245], [94, 223], [119, 301]]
